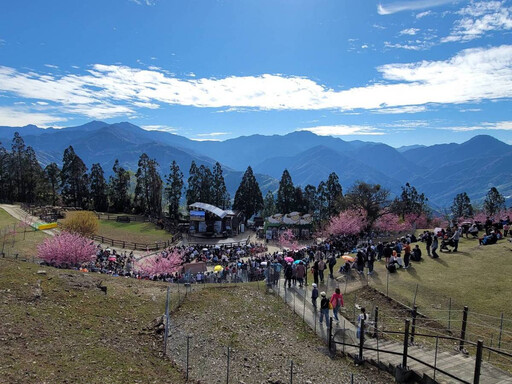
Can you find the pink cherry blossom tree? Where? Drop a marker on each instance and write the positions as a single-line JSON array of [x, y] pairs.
[[67, 249], [389, 222], [160, 264], [419, 221], [287, 240], [349, 222]]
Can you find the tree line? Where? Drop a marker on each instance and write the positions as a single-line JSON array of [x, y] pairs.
[[22, 179]]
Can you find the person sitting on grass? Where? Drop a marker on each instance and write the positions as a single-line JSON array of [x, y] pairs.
[[492, 238]]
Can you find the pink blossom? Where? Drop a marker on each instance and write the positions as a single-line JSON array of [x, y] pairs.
[[349, 222], [287, 240], [390, 222], [417, 221], [66, 249], [160, 264]]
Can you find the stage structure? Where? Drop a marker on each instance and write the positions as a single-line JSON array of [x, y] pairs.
[[301, 225], [207, 220]]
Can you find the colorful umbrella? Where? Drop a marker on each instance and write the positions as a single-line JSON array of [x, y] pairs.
[[218, 268], [348, 258], [297, 261], [289, 259]]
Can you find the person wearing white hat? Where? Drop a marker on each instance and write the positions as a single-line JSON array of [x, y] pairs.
[[324, 308], [314, 295]]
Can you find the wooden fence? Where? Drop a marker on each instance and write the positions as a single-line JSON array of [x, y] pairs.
[[138, 246]]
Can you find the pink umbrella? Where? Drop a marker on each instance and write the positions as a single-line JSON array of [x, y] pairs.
[[289, 259]]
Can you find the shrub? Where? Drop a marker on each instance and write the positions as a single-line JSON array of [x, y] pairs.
[[84, 223]]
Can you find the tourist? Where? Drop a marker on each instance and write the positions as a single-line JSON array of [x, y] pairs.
[[428, 242], [435, 245], [331, 263], [416, 253], [370, 259], [455, 238], [288, 273], [361, 256], [324, 308], [321, 269], [300, 272], [337, 303], [360, 327], [314, 295], [407, 254], [315, 272], [387, 253]]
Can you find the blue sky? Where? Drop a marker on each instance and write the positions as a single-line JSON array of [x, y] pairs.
[[398, 72]]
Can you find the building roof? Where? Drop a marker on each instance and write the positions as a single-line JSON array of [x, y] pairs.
[[210, 208]]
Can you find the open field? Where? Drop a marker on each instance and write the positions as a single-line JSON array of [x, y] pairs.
[[59, 327], [24, 243], [135, 231]]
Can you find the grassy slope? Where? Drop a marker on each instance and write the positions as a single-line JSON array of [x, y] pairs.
[[477, 276], [26, 247], [74, 333]]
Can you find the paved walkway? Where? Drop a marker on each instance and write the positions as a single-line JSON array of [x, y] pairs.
[[299, 299]]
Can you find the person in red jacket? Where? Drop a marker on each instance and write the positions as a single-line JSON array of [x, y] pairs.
[[337, 303]]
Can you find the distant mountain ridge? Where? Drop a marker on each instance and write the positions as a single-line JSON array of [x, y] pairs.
[[440, 171]]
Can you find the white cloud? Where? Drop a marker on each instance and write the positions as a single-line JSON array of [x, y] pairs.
[[213, 134], [496, 126], [51, 66], [404, 109], [409, 31], [423, 14], [144, 2], [413, 5], [113, 90], [364, 46], [196, 139], [479, 18], [163, 128], [343, 130], [18, 117]]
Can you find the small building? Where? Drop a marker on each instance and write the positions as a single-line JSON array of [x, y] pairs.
[[211, 221], [301, 225]]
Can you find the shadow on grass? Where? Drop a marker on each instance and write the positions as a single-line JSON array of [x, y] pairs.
[[412, 271], [440, 261]]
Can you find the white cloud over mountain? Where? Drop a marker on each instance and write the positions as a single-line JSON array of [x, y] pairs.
[[115, 90]]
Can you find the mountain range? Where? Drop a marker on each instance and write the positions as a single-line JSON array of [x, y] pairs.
[[440, 171]]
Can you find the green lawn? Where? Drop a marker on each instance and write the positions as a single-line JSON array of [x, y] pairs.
[[477, 276], [136, 232], [24, 242]]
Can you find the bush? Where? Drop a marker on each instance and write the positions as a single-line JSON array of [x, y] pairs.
[[84, 223]]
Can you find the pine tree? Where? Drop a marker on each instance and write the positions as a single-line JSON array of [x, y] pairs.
[[321, 206], [52, 174], [269, 205], [193, 184], [74, 180], [309, 198], [248, 197], [148, 190], [205, 184], [285, 194], [334, 194], [299, 204], [409, 201], [119, 186], [461, 206], [494, 202], [220, 195], [33, 177], [98, 189], [5, 175], [173, 191], [16, 167]]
